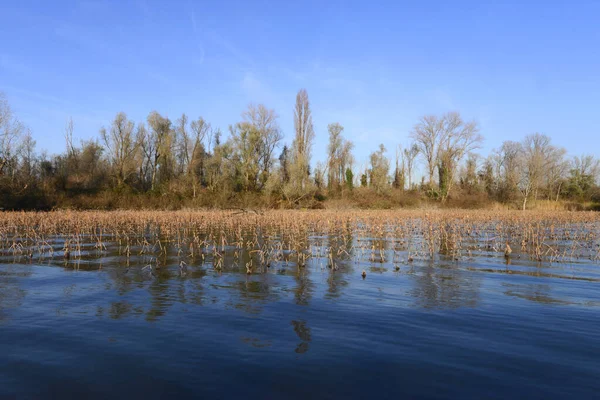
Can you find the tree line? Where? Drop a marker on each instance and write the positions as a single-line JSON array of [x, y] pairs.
[[163, 162]]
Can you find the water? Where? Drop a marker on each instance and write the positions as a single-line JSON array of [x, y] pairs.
[[472, 328]]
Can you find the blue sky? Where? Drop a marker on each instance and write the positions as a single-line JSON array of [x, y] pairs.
[[517, 67]]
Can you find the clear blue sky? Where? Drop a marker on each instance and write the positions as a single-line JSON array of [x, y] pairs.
[[517, 67]]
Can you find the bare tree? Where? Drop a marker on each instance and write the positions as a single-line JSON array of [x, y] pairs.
[[333, 148], [145, 159], [302, 145], [196, 168], [426, 135], [122, 146], [400, 170], [184, 144], [299, 185], [345, 164], [159, 145], [508, 161], [443, 142], [457, 139], [265, 122], [556, 173], [191, 153], [538, 157], [71, 151], [11, 130], [27, 155], [254, 141], [218, 168], [339, 157], [587, 164], [410, 153]]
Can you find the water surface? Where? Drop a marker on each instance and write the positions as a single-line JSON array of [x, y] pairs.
[[475, 327]]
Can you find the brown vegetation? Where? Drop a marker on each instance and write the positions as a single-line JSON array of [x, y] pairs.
[[164, 164], [257, 238]]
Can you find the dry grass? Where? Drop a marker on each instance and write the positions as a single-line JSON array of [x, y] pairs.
[[256, 240]]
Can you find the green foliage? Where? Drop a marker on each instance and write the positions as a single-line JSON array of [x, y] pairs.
[[363, 180], [349, 179], [579, 186]]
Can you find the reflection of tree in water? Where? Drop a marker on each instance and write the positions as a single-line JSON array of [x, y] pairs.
[[160, 299], [252, 294], [304, 287], [197, 293], [119, 309], [538, 293], [303, 332], [11, 295], [336, 282], [444, 286]]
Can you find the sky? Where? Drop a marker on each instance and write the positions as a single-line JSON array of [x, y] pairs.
[[376, 67]]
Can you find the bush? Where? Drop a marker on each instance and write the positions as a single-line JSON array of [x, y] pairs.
[[469, 201]]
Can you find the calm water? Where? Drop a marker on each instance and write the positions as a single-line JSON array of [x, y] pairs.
[[474, 328]]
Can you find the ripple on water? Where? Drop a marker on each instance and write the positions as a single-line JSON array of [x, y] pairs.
[[478, 329]]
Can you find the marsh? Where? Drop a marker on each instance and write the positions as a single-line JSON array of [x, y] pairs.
[[274, 305]]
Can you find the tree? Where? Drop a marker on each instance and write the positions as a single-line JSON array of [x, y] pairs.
[[299, 185], [284, 164], [380, 167], [426, 136], [122, 146], [538, 156], [443, 142], [265, 122], [583, 176], [305, 134], [26, 153], [410, 154], [319, 175], [349, 179], [457, 138], [92, 166], [556, 174], [363, 180], [244, 141], [469, 177], [587, 165], [487, 177], [217, 165], [507, 161], [335, 143], [145, 158], [191, 153], [184, 149], [339, 156], [400, 170], [71, 150], [254, 141], [158, 148], [11, 130]]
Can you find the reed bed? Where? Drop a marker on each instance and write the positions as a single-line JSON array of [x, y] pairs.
[[254, 242]]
